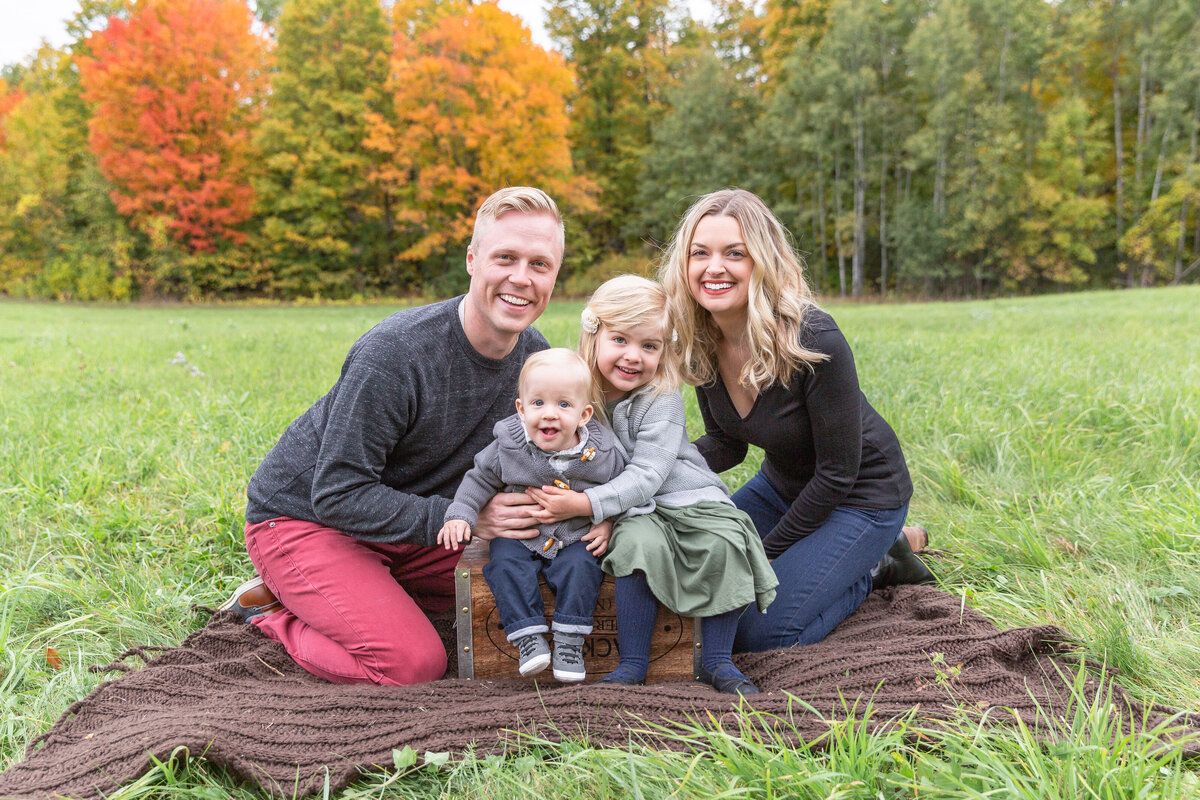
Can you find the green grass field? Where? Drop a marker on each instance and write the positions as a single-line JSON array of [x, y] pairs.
[[1054, 443]]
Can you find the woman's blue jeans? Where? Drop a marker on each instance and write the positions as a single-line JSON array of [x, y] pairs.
[[823, 577]]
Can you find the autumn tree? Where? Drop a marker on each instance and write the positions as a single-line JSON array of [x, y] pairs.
[[60, 234], [736, 34], [477, 106], [325, 221], [174, 90], [53, 241], [9, 97], [787, 22]]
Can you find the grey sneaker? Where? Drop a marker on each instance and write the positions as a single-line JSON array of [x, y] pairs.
[[535, 653], [568, 657]]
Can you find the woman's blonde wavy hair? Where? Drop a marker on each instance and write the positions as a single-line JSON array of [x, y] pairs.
[[779, 296], [629, 301]]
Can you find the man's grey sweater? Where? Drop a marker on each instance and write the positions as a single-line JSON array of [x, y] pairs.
[[512, 463], [664, 466], [380, 455]]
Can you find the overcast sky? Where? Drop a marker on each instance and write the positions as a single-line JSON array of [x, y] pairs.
[[24, 23]]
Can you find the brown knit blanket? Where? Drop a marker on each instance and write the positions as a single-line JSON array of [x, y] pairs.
[[235, 698]]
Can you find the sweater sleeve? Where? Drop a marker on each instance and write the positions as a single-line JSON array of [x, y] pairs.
[[656, 444], [365, 421], [834, 402], [479, 485], [721, 452]]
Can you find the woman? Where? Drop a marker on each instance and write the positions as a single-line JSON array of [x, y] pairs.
[[772, 369]]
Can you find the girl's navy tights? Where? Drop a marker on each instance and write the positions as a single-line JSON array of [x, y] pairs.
[[637, 609]]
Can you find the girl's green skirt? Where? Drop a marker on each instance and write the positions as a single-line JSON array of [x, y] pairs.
[[700, 560]]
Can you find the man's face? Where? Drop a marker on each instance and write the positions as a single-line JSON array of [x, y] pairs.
[[512, 267], [553, 406]]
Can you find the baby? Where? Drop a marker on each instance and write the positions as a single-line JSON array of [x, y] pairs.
[[552, 440]]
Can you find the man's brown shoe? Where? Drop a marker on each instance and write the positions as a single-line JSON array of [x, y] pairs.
[[252, 600]]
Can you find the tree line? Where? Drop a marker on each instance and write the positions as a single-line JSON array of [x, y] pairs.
[[338, 149]]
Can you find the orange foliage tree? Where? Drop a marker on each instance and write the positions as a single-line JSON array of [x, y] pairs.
[[175, 91], [8, 100], [478, 106]]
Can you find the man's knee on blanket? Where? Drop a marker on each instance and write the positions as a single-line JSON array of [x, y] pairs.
[[415, 659]]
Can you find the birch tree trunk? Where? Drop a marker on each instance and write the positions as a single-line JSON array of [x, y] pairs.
[[837, 223], [883, 250], [1183, 207], [1140, 143], [1158, 169], [821, 216], [860, 197], [1118, 140]]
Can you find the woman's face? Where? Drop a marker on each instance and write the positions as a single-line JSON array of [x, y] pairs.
[[719, 267]]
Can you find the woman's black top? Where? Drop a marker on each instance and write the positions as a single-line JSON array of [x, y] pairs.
[[824, 445]]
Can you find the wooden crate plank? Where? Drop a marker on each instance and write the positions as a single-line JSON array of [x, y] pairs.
[[485, 653]]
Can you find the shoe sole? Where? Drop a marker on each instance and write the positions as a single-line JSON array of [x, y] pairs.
[[534, 665], [924, 533], [239, 591], [569, 677]]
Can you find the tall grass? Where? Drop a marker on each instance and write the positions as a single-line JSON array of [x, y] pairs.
[[1054, 444]]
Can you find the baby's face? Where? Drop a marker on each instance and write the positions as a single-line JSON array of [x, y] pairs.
[[554, 406]]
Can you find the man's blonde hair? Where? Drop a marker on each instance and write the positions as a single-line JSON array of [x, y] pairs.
[[523, 199], [567, 361], [625, 302], [779, 295]]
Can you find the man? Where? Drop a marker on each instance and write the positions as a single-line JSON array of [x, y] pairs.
[[343, 514]]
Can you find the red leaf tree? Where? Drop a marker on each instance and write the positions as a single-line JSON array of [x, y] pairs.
[[175, 91], [8, 100]]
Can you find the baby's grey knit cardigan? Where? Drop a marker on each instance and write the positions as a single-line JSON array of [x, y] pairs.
[[512, 463]]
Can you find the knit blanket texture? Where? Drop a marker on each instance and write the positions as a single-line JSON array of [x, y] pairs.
[[235, 698]]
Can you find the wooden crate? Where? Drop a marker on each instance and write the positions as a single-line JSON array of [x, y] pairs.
[[483, 652]]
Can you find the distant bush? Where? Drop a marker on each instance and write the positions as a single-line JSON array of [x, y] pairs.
[[584, 282]]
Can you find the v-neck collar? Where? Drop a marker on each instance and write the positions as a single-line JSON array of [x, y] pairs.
[[733, 407]]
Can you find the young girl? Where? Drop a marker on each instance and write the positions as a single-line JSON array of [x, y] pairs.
[[681, 542]]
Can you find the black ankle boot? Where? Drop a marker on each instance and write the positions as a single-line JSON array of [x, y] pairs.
[[901, 566]]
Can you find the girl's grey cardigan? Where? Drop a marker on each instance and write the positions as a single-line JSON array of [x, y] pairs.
[[664, 466], [512, 463]]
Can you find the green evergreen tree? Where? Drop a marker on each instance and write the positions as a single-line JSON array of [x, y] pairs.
[[698, 146], [620, 52], [325, 226]]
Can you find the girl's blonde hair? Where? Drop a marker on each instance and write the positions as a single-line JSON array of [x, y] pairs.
[[629, 301], [779, 295]]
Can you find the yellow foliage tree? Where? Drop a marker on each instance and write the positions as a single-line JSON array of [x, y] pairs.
[[478, 106]]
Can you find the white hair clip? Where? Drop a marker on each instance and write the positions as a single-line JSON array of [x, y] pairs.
[[674, 336], [589, 321]]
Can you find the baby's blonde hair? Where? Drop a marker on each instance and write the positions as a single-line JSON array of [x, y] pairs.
[[629, 301], [567, 361]]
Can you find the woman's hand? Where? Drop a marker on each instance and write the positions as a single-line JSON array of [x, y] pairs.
[[507, 516], [597, 538], [555, 504]]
